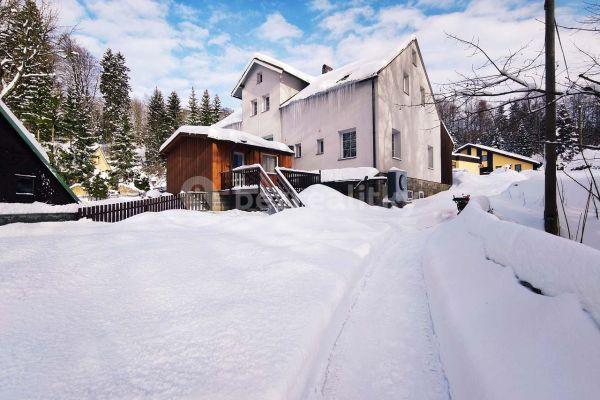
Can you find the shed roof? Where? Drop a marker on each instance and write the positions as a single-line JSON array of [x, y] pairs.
[[229, 135], [234, 117], [498, 151], [34, 145], [271, 63]]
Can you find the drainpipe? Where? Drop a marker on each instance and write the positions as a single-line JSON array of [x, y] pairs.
[[373, 122]]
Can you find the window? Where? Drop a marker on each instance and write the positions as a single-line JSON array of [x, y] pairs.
[[259, 78], [237, 160], [423, 97], [396, 144], [348, 140], [297, 150], [410, 194], [518, 167], [453, 164], [484, 157], [406, 84], [421, 194], [266, 103], [269, 162], [430, 157], [320, 146], [25, 184], [268, 137], [254, 105], [413, 56]]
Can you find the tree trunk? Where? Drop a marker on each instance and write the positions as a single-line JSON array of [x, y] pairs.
[[551, 223]]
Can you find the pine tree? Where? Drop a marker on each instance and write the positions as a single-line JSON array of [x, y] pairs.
[[27, 67], [499, 129], [78, 163], [194, 115], [216, 109], [173, 116], [566, 135], [157, 127], [206, 111], [523, 141], [114, 85]]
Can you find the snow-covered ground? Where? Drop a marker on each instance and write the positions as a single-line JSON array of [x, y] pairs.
[[334, 300]]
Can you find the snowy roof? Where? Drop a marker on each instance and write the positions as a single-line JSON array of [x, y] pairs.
[[351, 73], [466, 156], [233, 118], [495, 150], [230, 135], [33, 144], [271, 63]]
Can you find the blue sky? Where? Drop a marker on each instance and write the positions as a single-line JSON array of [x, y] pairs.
[[174, 44]]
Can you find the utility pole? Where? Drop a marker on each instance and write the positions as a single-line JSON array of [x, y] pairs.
[[551, 222]]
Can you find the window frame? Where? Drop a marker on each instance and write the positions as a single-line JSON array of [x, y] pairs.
[[266, 100], [259, 77], [430, 157], [406, 83], [298, 150], [320, 146], [30, 180], [422, 90], [342, 134], [254, 107], [421, 194], [409, 194], [396, 133], [518, 167], [263, 156], [413, 55]]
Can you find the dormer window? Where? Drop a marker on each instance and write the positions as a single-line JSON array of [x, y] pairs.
[[414, 57], [343, 78], [406, 83], [259, 78]]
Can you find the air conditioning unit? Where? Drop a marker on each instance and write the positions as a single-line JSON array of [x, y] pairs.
[[397, 183]]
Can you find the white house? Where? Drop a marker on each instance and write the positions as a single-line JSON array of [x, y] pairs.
[[370, 113]]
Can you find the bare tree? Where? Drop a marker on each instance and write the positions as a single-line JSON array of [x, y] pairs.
[[77, 67]]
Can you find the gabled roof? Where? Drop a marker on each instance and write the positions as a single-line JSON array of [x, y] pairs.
[[233, 118], [230, 135], [34, 145], [498, 151], [271, 63], [354, 72]]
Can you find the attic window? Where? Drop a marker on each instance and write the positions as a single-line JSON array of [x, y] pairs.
[[25, 184], [344, 78], [259, 78], [414, 57]]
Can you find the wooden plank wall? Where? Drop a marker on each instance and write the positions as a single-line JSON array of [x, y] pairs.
[[189, 157]]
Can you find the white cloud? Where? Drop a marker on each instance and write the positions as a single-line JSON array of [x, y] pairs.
[[341, 22], [276, 28], [321, 5], [220, 40]]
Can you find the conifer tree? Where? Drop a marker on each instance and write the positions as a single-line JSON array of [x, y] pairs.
[[566, 135], [523, 140], [157, 127], [216, 109], [194, 115], [27, 67], [206, 111], [173, 113]]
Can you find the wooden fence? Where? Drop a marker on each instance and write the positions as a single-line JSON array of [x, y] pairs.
[[119, 211]]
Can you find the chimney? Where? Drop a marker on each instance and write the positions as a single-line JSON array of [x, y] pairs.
[[325, 69]]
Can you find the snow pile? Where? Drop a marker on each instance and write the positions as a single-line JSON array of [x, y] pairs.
[[349, 74], [36, 208], [230, 135], [323, 197], [497, 339], [579, 160], [347, 174]]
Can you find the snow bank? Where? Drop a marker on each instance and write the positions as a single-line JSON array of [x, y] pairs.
[[498, 340], [347, 174], [579, 160], [324, 197], [36, 208]]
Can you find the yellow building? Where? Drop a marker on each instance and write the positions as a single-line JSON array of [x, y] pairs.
[[466, 162], [100, 160], [492, 158]]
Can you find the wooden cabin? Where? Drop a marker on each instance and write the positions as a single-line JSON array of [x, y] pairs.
[[200, 158], [492, 158], [26, 175]]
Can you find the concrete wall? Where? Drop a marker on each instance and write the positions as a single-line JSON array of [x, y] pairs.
[[323, 117], [419, 126]]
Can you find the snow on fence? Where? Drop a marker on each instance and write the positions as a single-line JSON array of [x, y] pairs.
[[119, 211]]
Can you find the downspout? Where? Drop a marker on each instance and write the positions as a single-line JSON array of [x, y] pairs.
[[373, 121]]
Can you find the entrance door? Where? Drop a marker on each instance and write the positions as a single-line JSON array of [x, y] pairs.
[[238, 160]]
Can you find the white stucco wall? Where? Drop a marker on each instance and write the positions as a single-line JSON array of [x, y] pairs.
[[323, 117], [419, 126]]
